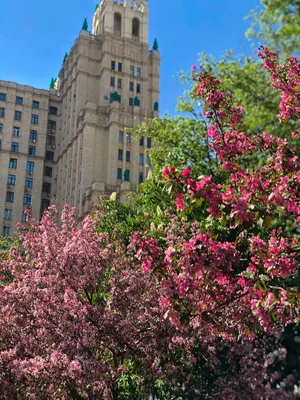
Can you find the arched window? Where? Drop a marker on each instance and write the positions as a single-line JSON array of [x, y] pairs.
[[117, 22], [135, 27]]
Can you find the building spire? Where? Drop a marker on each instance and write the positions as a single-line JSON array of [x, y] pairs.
[[52, 83], [155, 45], [85, 25]]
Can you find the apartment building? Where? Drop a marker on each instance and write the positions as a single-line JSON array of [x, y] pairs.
[[73, 143]]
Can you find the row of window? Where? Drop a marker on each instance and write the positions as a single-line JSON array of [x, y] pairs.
[[128, 157], [126, 176], [35, 104], [120, 69], [12, 181], [19, 100], [27, 200], [18, 116], [33, 134], [135, 29], [13, 164], [31, 150], [128, 139], [119, 84]]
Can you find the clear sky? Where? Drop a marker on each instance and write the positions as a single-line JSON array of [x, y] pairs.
[[35, 34]]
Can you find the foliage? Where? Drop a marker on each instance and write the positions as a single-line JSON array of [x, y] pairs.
[[277, 25]]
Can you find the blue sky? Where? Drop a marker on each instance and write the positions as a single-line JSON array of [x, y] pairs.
[[34, 36]]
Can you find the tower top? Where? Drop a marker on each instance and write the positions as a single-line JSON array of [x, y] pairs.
[[122, 18]]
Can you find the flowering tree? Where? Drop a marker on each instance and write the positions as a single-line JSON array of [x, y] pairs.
[[232, 274], [76, 316]]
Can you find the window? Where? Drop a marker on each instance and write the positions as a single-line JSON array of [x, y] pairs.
[[119, 83], [131, 86], [6, 231], [149, 143], [141, 177], [52, 125], [135, 27], [128, 138], [148, 161], [141, 159], [119, 174], [45, 204], [10, 197], [112, 81], [131, 101], [13, 163], [120, 155], [46, 187], [142, 141], [132, 70], [35, 104], [30, 166], [2, 97], [120, 67], [19, 100], [27, 199], [33, 135], [49, 155], [34, 119], [28, 183], [52, 110], [14, 147], [138, 72], [48, 171], [2, 112], [18, 115], [121, 136], [113, 65], [117, 22], [11, 180], [32, 151], [127, 156], [24, 218], [138, 88], [8, 213], [1, 128], [127, 175], [51, 140], [16, 131]]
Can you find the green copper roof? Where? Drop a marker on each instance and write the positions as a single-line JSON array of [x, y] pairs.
[[85, 25], [52, 83], [65, 57], [155, 45], [96, 8]]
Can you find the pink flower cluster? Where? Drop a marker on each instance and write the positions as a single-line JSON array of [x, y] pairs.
[[286, 79]]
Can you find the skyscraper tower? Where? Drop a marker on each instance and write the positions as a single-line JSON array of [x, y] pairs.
[[109, 83]]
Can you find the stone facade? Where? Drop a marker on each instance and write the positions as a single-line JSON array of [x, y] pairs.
[[108, 84]]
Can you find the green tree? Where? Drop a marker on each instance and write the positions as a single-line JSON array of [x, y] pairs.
[[277, 25]]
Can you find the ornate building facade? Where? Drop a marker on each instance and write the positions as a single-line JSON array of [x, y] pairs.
[[73, 143]]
